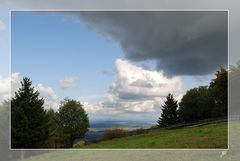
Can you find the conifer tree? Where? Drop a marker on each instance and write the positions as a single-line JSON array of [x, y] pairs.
[[29, 121], [169, 112]]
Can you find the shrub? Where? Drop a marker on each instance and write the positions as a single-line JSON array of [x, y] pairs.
[[114, 133]]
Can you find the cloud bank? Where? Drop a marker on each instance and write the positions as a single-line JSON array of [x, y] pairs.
[[135, 91], [139, 90], [181, 43]]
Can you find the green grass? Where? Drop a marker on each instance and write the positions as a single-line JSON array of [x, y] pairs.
[[149, 155], [206, 136]]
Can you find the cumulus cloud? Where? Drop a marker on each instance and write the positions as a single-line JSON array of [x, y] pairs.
[[92, 98], [51, 99], [5, 84], [68, 83], [91, 108], [182, 43], [9, 85], [136, 90], [46, 92], [134, 82]]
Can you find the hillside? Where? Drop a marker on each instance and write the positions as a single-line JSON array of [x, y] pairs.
[[213, 135], [146, 155]]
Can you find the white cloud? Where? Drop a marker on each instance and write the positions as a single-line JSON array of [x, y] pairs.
[[90, 108], [136, 91], [4, 88], [92, 98], [68, 83], [8, 85], [46, 92], [12, 84], [51, 99], [134, 82]]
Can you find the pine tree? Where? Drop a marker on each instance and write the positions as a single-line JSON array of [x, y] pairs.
[[29, 121], [169, 112]]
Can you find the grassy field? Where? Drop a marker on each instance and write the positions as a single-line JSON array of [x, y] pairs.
[[206, 136], [146, 155]]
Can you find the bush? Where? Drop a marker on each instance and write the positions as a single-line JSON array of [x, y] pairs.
[[114, 133]]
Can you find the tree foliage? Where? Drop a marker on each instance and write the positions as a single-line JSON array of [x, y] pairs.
[[73, 119], [195, 105], [219, 89], [29, 122], [206, 102], [169, 112]]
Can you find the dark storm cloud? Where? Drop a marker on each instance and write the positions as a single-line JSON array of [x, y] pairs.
[[182, 43]]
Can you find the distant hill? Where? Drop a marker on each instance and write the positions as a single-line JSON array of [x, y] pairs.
[[97, 128]]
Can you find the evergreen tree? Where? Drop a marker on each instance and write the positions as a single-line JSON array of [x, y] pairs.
[[169, 112], [29, 121]]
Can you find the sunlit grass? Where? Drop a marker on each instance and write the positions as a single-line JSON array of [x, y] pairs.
[[207, 136], [216, 131]]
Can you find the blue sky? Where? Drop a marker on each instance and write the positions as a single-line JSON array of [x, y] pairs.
[[48, 47]]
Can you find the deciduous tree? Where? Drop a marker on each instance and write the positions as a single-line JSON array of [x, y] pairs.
[[73, 119]]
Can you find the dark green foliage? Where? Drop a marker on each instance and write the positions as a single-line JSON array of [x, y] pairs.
[[55, 130], [169, 112], [29, 121], [73, 119], [195, 105], [219, 89], [206, 102]]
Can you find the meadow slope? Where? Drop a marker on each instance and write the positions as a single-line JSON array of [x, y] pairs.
[[207, 136]]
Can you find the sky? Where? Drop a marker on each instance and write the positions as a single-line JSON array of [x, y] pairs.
[[120, 65]]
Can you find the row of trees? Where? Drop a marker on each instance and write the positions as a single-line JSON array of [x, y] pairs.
[[32, 126], [198, 103]]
